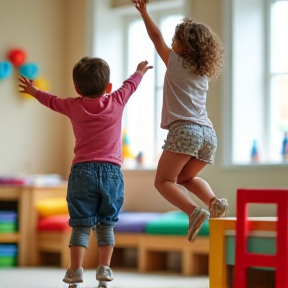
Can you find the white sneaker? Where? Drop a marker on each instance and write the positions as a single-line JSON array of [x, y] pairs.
[[218, 208], [103, 284], [104, 273], [75, 277], [196, 220]]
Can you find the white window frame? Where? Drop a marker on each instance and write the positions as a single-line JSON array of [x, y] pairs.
[[228, 86]]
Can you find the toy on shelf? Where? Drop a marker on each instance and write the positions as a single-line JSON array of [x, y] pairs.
[[254, 152], [130, 160], [126, 150], [285, 147]]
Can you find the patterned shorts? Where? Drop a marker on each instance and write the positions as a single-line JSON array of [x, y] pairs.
[[190, 138]]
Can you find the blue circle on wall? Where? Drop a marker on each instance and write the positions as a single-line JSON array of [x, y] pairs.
[[5, 69], [29, 70]]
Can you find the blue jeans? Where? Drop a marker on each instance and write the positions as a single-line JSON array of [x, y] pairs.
[[95, 194]]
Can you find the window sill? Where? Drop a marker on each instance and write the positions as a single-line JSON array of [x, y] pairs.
[[257, 166]]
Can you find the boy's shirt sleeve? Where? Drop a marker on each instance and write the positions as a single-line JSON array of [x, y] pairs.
[[55, 103], [128, 88]]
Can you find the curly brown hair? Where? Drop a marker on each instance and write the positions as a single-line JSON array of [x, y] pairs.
[[202, 50], [91, 76]]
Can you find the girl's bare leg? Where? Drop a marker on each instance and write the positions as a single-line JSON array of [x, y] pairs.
[[196, 185], [169, 167]]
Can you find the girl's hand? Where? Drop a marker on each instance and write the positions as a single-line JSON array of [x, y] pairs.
[[143, 67], [140, 5], [27, 86]]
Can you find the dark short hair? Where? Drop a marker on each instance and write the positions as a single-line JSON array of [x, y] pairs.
[[91, 76]]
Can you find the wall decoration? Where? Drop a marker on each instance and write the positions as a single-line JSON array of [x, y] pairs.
[[17, 57], [29, 70], [5, 69], [42, 84]]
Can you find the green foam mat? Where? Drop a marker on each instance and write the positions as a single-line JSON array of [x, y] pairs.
[[173, 223]]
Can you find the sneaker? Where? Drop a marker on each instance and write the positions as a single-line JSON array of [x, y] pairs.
[[103, 284], [196, 220], [75, 277], [218, 208], [104, 273]]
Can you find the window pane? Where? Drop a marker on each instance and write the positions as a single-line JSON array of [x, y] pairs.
[[143, 112], [139, 113], [279, 39], [279, 114]]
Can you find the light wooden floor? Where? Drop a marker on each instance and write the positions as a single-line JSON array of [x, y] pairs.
[[52, 278]]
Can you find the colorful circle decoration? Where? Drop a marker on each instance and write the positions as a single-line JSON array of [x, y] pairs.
[[42, 84], [17, 57], [5, 69], [29, 70]]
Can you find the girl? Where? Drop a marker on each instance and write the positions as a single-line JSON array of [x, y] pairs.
[[195, 57]]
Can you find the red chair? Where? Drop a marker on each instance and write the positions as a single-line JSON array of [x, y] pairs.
[[244, 259]]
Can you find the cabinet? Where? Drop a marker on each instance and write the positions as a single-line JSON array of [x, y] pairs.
[[25, 198], [21, 237]]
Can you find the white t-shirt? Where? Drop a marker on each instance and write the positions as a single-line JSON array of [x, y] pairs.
[[184, 95]]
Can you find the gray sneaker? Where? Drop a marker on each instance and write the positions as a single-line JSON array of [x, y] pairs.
[[218, 208], [75, 277], [104, 273], [196, 220], [103, 284]]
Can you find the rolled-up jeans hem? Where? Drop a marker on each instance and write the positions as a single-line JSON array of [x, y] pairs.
[[86, 222], [89, 222]]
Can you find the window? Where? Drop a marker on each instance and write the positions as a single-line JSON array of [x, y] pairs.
[[143, 112], [278, 75], [258, 106]]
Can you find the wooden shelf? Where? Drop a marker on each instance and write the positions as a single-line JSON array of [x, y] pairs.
[[25, 198], [9, 237]]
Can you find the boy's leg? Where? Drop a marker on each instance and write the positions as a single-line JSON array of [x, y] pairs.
[[78, 246], [106, 242], [105, 254]]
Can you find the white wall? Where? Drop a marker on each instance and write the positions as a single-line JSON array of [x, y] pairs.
[[29, 133]]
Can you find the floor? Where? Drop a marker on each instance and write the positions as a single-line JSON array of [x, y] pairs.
[[52, 278]]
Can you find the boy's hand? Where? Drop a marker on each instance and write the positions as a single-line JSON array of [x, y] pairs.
[[27, 86], [143, 67], [140, 5]]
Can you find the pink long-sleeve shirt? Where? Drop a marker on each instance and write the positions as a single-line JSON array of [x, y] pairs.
[[96, 122]]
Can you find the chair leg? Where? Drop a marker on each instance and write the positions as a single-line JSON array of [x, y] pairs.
[[240, 270], [281, 279]]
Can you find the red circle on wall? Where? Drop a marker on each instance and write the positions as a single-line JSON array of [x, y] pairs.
[[17, 57]]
